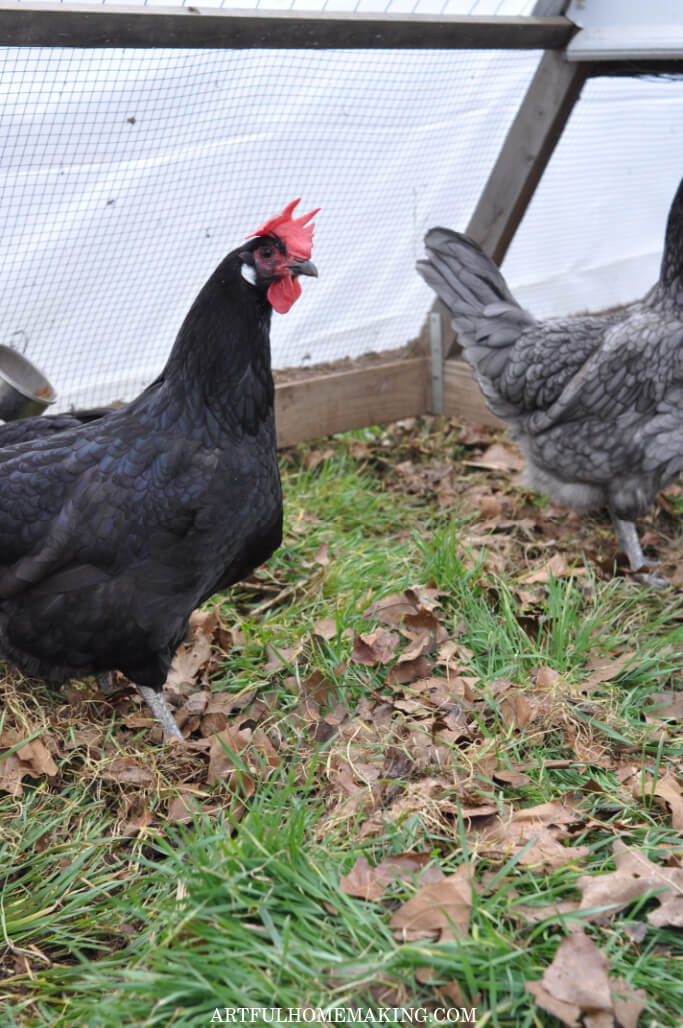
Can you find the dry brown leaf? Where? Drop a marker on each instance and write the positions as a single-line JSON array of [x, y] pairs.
[[498, 458], [556, 567], [665, 706], [37, 756], [635, 876], [196, 703], [125, 771], [576, 988], [516, 710], [316, 457], [423, 643], [576, 982], [322, 557], [452, 993], [378, 647], [512, 777], [391, 610], [326, 628], [194, 655], [567, 1013], [547, 678], [183, 807], [11, 773], [628, 1003], [370, 883], [604, 669], [544, 824], [549, 910], [438, 911], [362, 881], [31, 759], [669, 790], [551, 813], [490, 506], [222, 766], [138, 817], [282, 657], [409, 671], [578, 974]]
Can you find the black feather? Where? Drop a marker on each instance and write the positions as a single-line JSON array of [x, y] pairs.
[[116, 525]]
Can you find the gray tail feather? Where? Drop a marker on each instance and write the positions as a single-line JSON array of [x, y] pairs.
[[485, 314]]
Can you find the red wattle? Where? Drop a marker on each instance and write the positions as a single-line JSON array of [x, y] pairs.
[[283, 293]]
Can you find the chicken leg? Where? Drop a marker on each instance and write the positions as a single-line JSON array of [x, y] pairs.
[[629, 543], [154, 700], [161, 710]]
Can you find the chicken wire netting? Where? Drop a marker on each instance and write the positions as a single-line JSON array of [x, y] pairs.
[[126, 175]]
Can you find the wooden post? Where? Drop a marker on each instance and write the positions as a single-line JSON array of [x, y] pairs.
[[533, 135], [530, 141]]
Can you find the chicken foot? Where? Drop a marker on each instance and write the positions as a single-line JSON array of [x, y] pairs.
[[629, 543], [154, 700]]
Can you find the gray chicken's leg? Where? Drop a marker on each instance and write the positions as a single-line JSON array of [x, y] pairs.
[[161, 710], [627, 537]]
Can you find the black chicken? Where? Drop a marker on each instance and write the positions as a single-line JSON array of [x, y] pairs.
[[112, 532], [42, 425], [596, 402]]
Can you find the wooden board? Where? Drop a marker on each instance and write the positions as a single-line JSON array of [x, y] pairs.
[[462, 395], [55, 24], [324, 404]]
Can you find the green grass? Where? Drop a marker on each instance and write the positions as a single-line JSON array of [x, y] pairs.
[[100, 930]]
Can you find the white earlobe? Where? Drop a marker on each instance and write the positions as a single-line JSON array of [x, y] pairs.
[[249, 274]]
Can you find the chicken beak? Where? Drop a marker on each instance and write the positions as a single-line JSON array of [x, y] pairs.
[[301, 267]]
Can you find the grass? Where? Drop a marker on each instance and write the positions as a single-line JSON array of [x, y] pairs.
[[243, 905]]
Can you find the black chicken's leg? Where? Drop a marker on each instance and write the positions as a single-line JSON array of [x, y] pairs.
[[629, 543], [161, 710], [105, 682], [154, 700]]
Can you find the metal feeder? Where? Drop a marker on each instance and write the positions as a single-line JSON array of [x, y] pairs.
[[24, 389]]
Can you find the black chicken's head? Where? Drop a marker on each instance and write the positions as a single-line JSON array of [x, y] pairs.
[[277, 254]]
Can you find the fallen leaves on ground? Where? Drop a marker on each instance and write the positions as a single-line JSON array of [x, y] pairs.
[[635, 876], [371, 883], [576, 988], [30, 758], [438, 911], [428, 743]]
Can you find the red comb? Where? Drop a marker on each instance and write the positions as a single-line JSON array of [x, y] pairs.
[[294, 232]]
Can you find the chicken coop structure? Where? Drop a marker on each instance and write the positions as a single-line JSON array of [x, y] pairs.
[[140, 143]]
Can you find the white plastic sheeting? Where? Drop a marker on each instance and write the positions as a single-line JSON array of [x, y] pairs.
[[125, 176]]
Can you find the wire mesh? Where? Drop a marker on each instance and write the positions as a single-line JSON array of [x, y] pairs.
[[126, 175], [593, 235]]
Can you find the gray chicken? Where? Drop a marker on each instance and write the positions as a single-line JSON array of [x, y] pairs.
[[595, 402]]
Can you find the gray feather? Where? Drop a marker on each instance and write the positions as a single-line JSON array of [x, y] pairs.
[[596, 402]]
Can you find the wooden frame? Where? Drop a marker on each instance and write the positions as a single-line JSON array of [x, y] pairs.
[[323, 404], [320, 405], [530, 141], [90, 25]]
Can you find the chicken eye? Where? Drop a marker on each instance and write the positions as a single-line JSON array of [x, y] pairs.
[[267, 252]]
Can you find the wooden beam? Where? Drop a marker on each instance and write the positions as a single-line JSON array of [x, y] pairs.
[[532, 137], [324, 404], [661, 66], [462, 395], [55, 24]]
